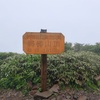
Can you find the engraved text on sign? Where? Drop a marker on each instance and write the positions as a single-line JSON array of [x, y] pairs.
[[43, 43]]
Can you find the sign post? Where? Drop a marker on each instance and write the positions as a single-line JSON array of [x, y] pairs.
[[43, 43], [43, 68]]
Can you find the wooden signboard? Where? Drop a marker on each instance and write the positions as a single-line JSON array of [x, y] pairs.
[[43, 43]]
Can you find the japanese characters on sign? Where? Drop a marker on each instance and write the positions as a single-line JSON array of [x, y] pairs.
[[43, 43]]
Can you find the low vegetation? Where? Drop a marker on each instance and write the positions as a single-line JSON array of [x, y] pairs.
[[76, 69]]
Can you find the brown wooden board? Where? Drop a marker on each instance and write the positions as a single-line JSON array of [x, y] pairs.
[[43, 43]]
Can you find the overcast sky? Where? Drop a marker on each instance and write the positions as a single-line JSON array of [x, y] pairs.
[[78, 20]]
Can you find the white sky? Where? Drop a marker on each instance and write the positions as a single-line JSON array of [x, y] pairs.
[[78, 20]]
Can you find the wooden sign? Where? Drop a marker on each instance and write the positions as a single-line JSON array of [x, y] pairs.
[[43, 43]]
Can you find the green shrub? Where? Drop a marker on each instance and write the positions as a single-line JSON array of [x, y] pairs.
[[77, 70]]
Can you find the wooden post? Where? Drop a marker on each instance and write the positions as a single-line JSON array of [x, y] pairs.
[[44, 72], [43, 68]]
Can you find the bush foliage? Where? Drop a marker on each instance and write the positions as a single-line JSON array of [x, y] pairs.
[[75, 69]]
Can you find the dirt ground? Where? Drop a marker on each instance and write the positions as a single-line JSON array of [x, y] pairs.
[[62, 95]]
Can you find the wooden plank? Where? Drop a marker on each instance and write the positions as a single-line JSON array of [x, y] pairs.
[[43, 43]]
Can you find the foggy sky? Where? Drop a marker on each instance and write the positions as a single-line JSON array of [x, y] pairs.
[[78, 20]]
